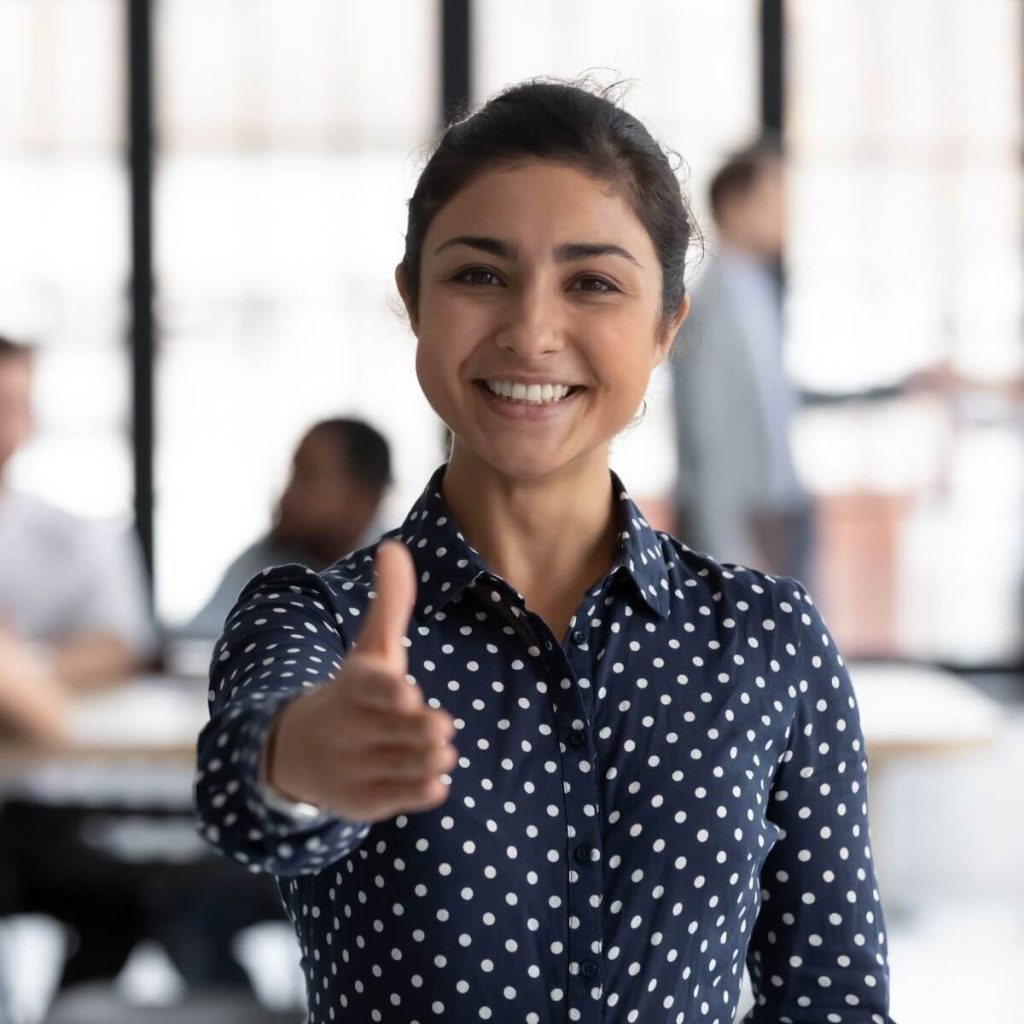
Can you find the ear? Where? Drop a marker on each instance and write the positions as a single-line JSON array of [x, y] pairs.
[[403, 290], [668, 335]]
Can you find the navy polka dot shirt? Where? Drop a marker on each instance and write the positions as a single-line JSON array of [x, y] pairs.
[[673, 791]]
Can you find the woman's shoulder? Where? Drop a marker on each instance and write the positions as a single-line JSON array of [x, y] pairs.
[[337, 595], [731, 586], [740, 610], [352, 574]]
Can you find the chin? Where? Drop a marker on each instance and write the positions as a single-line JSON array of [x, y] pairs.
[[524, 462]]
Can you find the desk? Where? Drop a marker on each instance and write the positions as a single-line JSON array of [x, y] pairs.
[[915, 711], [155, 717], [107, 820], [132, 746], [911, 713], [906, 711]]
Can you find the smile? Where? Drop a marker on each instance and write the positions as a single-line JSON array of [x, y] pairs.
[[528, 403], [530, 394]]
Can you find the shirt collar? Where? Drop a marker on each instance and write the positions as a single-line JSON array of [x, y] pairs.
[[446, 564]]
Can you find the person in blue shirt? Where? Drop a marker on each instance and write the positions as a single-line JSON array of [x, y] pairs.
[[527, 759]]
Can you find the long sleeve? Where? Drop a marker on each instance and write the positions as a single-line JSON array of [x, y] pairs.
[[281, 635], [818, 949]]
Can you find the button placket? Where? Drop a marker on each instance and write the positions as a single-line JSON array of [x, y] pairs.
[[582, 829]]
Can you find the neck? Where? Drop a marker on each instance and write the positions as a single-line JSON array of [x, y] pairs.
[[742, 247], [321, 552], [550, 537]]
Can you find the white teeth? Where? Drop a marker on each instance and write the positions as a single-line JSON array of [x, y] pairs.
[[535, 394]]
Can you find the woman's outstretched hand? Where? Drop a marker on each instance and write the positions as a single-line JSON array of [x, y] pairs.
[[365, 745]]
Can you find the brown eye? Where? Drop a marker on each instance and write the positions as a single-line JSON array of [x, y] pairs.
[[597, 285], [477, 275]]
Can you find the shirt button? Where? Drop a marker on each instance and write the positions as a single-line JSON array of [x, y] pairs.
[[577, 636], [588, 968], [584, 853], [577, 737]]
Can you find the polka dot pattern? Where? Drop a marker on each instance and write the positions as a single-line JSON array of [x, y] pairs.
[[672, 792]]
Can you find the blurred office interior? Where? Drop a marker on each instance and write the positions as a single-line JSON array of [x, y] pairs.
[[201, 201]]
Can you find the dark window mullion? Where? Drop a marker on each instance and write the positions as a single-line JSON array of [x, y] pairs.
[[456, 58], [141, 325], [773, 66]]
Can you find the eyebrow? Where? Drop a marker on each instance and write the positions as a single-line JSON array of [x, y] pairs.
[[567, 252]]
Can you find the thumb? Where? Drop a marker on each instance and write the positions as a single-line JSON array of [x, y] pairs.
[[388, 615]]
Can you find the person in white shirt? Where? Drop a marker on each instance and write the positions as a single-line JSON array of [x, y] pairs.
[[73, 607]]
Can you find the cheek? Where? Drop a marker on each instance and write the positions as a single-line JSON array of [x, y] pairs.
[[437, 376], [428, 365], [445, 341], [622, 359]]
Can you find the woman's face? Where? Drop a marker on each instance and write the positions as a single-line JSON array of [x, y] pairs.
[[535, 279]]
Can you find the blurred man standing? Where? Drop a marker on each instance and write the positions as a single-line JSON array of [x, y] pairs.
[[738, 495], [73, 608]]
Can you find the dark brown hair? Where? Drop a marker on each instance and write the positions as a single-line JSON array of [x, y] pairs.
[[567, 123], [742, 171], [10, 349], [363, 451]]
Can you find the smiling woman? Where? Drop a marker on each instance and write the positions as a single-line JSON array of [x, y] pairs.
[[537, 275], [659, 765]]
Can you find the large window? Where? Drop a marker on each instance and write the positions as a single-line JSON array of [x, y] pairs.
[[905, 130], [288, 136], [64, 243], [288, 142]]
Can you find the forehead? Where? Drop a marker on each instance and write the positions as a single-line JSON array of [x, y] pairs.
[[770, 177], [320, 448], [15, 371], [538, 205]]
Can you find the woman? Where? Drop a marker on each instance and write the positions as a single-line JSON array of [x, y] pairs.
[[657, 770]]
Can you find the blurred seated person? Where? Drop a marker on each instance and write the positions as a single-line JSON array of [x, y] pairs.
[[74, 612], [330, 506]]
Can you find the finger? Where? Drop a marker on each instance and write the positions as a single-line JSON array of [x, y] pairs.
[[425, 727], [395, 797], [412, 764], [387, 617], [377, 688]]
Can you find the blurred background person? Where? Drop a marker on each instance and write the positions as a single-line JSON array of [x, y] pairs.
[[330, 506], [73, 607], [739, 497], [73, 618]]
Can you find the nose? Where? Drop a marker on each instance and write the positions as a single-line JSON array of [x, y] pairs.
[[534, 325]]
